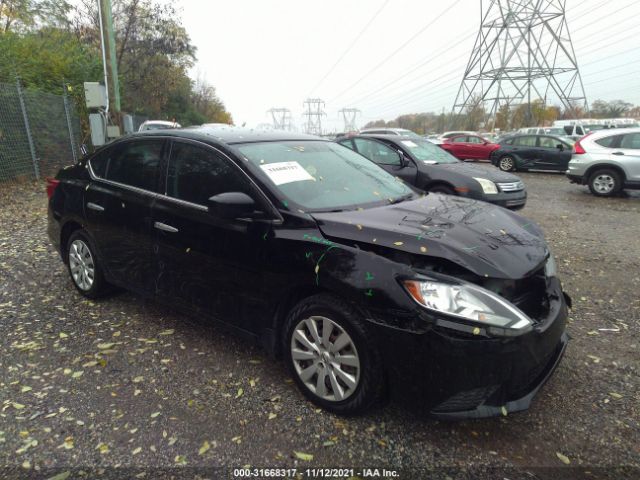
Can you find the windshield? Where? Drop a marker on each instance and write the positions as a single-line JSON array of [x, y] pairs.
[[320, 176], [427, 152]]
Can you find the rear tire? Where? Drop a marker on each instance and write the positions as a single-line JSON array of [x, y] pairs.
[[84, 267], [605, 183], [507, 164], [331, 356]]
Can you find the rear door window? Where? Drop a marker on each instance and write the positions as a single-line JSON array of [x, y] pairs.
[[463, 139], [609, 142], [525, 142], [136, 164]]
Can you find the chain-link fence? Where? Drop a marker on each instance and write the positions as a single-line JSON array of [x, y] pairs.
[[39, 132]]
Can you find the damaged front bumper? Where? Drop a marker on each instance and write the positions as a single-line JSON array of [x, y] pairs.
[[457, 375]]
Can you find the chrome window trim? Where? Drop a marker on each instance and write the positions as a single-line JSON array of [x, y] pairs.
[[164, 196]]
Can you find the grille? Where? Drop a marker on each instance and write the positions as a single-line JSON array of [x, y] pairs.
[[511, 186], [467, 400]]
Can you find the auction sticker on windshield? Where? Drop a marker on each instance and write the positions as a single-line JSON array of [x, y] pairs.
[[286, 172], [409, 143]]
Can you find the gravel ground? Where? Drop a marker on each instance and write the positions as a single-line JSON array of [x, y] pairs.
[[126, 388]]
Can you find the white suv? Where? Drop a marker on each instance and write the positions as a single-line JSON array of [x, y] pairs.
[[607, 161]]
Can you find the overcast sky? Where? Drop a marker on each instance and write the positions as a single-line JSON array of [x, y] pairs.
[[261, 54]]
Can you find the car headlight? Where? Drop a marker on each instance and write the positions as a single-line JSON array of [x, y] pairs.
[[472, 303], [551, 268], [487, 185]]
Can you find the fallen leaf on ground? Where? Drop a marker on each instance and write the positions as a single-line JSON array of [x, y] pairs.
[[307, 457], [204, 448]]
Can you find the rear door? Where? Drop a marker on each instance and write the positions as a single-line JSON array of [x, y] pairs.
[[388, 157], [630, 158], [207, 264], [526, 148], [118, 205]]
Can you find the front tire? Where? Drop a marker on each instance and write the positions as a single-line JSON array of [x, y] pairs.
[[605, 183], [507, 164], [331, 356], [84, 267]]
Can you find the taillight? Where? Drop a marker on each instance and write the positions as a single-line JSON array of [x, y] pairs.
[[578, 149], [52, 183]]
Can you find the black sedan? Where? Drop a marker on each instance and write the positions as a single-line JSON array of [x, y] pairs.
[[430, 168], [533, 152], [360, 282]]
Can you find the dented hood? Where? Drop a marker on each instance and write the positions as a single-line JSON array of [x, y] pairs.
[[483, 238]]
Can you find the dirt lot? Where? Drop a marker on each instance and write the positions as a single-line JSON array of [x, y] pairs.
[[124, 387]]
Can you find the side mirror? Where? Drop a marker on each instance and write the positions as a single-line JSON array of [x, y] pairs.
[[231, 205], [560, 147]]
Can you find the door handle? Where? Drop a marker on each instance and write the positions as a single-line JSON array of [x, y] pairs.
[[95, 206], [618, 153], [165, 228]]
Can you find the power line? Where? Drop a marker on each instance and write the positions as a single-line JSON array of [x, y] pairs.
[[421, 87], [386, 59], [449, 48], [344, 54]]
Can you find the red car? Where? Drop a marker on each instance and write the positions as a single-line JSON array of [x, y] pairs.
[[469, 147]]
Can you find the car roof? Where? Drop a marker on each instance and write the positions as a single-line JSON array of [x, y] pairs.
[[159, 122], [383, 136], [229, 135], [606, 132]]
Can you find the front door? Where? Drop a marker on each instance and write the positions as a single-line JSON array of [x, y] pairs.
[[117, 207], [554, 158], [207, 264]]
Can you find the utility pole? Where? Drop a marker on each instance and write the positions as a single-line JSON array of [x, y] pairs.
[[109, 54], [281, 118], [314, 111], [349, 116], [523, 52]]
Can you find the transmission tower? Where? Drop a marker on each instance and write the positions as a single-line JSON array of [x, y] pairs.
[[281, 118], [314, 111], [523, 53], [349, 116]]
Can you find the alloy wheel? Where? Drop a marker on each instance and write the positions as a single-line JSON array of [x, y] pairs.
[[325, 358], [81, 264], [506, 164], [604, 183]]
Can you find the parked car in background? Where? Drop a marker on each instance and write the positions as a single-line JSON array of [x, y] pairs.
[[428, 167], [608, 161], [469, 147], [532, 152], [403, 132], [446, 135], [555, 131], [360, 283], [158, 125]]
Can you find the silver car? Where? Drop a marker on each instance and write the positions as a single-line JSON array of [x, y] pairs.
[[607, 161]]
